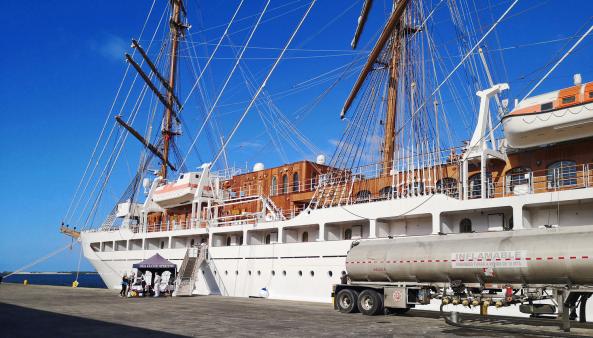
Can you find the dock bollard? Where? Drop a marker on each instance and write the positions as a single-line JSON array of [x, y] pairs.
[[25, 282]]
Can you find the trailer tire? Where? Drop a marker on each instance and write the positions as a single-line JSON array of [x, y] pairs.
[[370, 302], [347, 301]]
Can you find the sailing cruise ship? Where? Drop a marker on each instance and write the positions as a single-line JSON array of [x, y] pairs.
[[283, 232]]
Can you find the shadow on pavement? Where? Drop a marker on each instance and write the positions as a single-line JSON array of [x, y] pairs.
[[17, 321]]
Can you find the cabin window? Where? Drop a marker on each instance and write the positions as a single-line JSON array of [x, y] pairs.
[[284, 184], [162, 244], [193, 241], [475, 186], [591, 95], [569, 99], [465, 226], [386, 192], [181, 177], [241, 240], [562, 174], [268, 239], [348, 234], [447, 186], [228, 241], [363, 196], [197, 176], [295, 182], [547, 106], [518, 178], [305, 237], [274, 187]]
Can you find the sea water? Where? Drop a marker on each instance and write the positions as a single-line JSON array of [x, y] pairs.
[[85, 280]]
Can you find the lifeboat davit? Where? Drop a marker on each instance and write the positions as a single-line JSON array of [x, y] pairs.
[[558, 116], [179, 192]]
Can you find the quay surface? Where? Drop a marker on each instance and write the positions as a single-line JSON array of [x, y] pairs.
[[50, 311]]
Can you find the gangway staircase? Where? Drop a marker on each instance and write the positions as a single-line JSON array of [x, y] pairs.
[[188, 274]]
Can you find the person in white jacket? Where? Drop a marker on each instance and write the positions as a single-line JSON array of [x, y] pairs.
[[157, 285]]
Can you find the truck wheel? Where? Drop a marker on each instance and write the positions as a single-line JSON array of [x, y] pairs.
[[346, 300], [370, 302]]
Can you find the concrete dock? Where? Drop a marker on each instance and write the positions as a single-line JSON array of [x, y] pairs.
[[50, 311]]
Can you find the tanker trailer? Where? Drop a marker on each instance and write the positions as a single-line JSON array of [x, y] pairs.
[[475, 269]]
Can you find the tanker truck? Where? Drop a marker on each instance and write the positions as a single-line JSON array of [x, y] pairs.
[[545, 272]]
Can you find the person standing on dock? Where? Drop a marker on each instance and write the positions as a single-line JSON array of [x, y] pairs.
[[157, 285], [124, 286]]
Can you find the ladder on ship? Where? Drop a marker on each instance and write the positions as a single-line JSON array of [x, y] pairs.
[[186, 281]]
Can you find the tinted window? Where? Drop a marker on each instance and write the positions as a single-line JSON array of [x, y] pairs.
[[569, 99], [547, 106]]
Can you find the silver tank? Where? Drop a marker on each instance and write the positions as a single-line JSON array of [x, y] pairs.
[[530, 256]]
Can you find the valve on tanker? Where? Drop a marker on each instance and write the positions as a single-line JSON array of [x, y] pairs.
[[509, 294]]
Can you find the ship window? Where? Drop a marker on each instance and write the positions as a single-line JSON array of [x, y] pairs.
[[518, 177], [181, 177], [226, 272], [330, 274], [241, 240], [591, 95], [547, 106], [475, 186], [363, 196], [386, 192], [284, 184], [562, 174], [447, 186], [268, 238], [162, 244], [348, 234], [249, 272], [305, 237], [569, 99], [228, 241], [295, 182], [258, 272], [197, 176], [273, 273], [312, 273], [193, 241], [300, 273], [465, 225], [274, 188], [284, 272]]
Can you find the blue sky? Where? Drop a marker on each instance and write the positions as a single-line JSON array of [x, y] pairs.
[[63, 60]]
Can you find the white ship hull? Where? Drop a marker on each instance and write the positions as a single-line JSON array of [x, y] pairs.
[[307, 271]]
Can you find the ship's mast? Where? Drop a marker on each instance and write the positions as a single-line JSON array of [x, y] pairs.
[[176, 30], [390, 33], [389, 137]]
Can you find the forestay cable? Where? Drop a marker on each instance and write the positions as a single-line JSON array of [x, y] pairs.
[[261, 87]]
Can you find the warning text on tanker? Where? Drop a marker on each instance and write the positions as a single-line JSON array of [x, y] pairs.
[[489, 259]]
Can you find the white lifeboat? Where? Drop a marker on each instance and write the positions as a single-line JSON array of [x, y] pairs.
[[558, 116], [179, 192]]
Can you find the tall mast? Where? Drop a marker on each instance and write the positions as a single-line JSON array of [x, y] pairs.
[[389, 136], [176, 30]]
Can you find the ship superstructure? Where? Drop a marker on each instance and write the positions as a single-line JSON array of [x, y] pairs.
[[287, 229]]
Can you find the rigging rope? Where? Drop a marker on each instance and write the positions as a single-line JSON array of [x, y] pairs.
[[263, 84], [228, 79], [559, 62]]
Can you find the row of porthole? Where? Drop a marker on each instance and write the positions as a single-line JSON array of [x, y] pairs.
[[312, 273]]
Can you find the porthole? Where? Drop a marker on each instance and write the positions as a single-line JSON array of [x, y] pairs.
[[226, 272], [249, 272], [312, 273], [284, 272], [215, 272], [330, 273], [343, 272], [236, 272], [273, 273], [300, 273], [258, 272]]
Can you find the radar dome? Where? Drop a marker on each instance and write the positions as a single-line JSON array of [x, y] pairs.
[[320, 159], [258, 166]]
